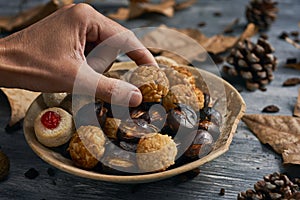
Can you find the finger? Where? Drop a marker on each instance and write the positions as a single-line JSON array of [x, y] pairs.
[[114, 91], [118, 37], [118, 92], [142, 57], [101, 57]]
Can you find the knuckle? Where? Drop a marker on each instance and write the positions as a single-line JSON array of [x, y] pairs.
[[82, 10]]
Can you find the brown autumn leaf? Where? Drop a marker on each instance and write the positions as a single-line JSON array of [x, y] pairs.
[[19, 101], [169, 41], [184, 5], [291, 81], [282, 133], [138, 7], [293, 65], [230, 26], [26, 18], [297, 106], [186, 45]]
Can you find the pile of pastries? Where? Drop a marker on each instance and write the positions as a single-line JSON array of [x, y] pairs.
[[175, 124]]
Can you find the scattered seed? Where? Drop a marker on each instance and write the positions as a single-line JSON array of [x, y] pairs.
[[32, 173], [283, 35], [291, 82], [291, 60], [270, 109], [217, 14], [222, 192], [201, 24], [294, 33]]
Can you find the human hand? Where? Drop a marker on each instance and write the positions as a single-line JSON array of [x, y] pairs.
[[49, 55]]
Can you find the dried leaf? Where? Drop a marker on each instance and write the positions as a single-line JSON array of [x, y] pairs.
[[184, 5], [138, 7], [121, 14], [297, 106], [249, 31], [165, 38], [19, 100], [229, 27], [291, 82], [282, 133], [219, 43], [293, 65], [292, 42], [24, 19]]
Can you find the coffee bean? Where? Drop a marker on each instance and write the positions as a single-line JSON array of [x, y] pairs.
[[202, 24], [222, 192], [291, 60], [291, 82], [217, 14], [294, 33], [32, 173], [270, 109], [283, 35]]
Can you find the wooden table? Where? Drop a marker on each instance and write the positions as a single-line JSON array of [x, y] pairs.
[[246, 162]]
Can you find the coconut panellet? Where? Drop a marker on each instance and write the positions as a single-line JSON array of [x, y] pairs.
[[182, 94], [156, 153], [152, 82], [188, 75], [163, 61], [175, 77], [87, 146], [54, 99], [111, 127], [200, 97], [54, 127]]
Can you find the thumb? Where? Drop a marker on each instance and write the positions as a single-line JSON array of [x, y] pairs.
[[118, 92], [110, 90]]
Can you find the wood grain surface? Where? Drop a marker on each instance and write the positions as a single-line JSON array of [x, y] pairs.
[[246, 162]]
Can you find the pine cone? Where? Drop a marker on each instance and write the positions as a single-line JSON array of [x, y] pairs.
[[262, 13], [255, 63]]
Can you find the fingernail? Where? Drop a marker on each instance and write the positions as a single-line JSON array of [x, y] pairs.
[[135, 98]]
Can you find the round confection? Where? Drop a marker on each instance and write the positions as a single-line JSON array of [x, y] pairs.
[[187, 74], [163, 61], [175, 77], [53, 99], [200, 97], [152, 82], [156, 153], [54, 127], [182, 94], [87, 146], [111, 127]]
